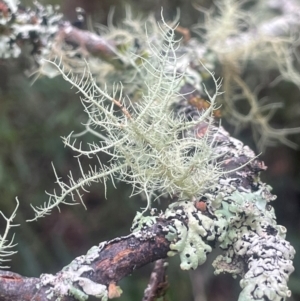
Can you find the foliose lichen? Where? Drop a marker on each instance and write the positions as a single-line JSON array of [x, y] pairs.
[[70, 282], [255, 246], [192, 230], [237, 216]]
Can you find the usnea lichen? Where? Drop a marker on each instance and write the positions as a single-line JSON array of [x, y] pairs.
[[146, 140], [7, 244], [160, 153], [237, 36]]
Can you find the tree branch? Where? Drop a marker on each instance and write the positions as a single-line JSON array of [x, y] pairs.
[[111, 261], [236, 215], [116, 259]]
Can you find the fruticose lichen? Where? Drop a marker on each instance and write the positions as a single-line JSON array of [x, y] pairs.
[[240, 34], [163, 145], [234, 214], [146, 140]]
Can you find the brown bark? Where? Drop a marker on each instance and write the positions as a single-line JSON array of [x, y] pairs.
[[118, 259], [158, 283]]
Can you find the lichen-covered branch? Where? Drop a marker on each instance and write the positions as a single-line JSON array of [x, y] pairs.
[[237, 216], [95, 273], [162, 139]]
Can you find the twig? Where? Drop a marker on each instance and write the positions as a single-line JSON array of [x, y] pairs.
[[117, 259], [158, 283]]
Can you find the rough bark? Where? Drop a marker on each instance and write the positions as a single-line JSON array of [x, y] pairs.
[[118, 259]]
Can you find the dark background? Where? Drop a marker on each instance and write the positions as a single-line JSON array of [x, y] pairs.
[[32, 119]]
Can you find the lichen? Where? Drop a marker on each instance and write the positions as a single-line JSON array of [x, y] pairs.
[[255, 246], [242, 222], [140, 221], [156, 150], [69, 282], [188, 234], [35, 27]]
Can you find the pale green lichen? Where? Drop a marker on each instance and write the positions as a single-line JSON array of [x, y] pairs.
[[188, 234], [69, 282], [91, 288], [78, 294], [243, 224], [146, 140], [236, 35], [152, 149], [140, 221], [255, 246], [7, 244]]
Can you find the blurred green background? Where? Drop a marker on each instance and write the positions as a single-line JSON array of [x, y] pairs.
[[32, 119]]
